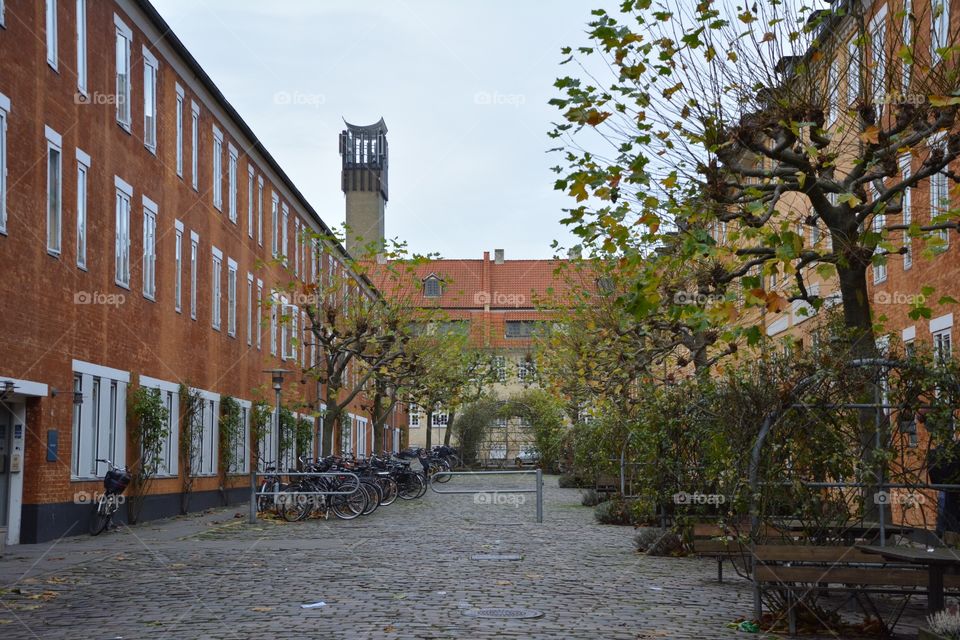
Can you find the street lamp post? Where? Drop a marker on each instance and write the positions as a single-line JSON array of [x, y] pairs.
[[277, 378]]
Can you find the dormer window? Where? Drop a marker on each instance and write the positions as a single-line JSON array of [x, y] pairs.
[[432, 287]]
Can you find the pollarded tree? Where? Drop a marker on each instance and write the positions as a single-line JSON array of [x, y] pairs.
[[768, 121]]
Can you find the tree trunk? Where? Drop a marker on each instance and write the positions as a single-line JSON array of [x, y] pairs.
[[449, 430], [861, 344], [429, 429], [378, 418], [330, 419]]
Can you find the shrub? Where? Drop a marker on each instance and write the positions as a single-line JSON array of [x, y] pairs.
[[945, 623], [655, 541], [591, 498], [615, 511], [571, 481]]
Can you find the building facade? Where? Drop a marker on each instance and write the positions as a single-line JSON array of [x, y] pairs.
[[143, 231]]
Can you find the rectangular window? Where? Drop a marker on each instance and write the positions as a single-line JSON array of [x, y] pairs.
[[51, 28], [939, 28], [276, 225], [204, 460], [833, 92], [853, 71], [217, 168], [259, 315], [500, 368], [414, 413], [81, 46], [250, 201], [165, 460], [260, 211], [942, 345], [879, 222], [54, 190], [124, 37], [249, 309], [231, 298], [83, 168], [178, 115], [99, 420], [940, 199], [215, 288], [149, 248], [878, 53], [296, 247], [286, 222], [290, 317], [523, 328], [194, 257], [194, 143], [178, 267], [232, 182], [274, 313], [4, 110], [149, 100], [241, 442], [440, 417], [905, 170], [907, 31], [526, 370], [122, 236]]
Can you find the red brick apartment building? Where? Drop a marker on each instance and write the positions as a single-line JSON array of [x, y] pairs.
[[135, 208]]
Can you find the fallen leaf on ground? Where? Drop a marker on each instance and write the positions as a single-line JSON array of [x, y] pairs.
[[262, 609], [389, 628], [504, 583]]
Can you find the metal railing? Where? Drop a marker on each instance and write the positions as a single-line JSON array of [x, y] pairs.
[[255, 493], [537, 490]]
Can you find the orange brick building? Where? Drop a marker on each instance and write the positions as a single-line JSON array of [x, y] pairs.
[[137, 210]]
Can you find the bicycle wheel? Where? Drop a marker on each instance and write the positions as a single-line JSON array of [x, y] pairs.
[[292, 505], [442, 465], [100, 517], [373, 496], [410, 486], [389, 489], [350, 506]]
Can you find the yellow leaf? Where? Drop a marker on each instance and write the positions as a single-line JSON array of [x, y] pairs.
[[944, 101], [871, 134]]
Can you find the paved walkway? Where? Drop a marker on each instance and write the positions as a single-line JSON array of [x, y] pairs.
[[403, 572]]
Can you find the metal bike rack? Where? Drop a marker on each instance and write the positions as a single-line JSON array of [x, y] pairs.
[[254, 493], [538, 490]]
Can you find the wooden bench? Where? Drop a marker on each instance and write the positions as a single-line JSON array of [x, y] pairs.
[[725, 542], [793, 569]]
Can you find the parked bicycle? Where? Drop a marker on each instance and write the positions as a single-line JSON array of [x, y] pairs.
[[108, 502]]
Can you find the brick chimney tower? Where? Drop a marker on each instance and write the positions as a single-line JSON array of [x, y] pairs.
[[363, 178]]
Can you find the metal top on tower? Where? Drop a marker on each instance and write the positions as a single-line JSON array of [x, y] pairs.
[[363, 150]]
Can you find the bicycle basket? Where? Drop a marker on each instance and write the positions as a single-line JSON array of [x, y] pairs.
[[116, 481]]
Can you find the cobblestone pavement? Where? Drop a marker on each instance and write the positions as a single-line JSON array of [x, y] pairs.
[[403, 572]]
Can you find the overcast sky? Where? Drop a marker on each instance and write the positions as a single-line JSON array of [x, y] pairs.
[[462, 85]]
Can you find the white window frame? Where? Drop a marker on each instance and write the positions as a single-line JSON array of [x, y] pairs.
[[941, 332], [208, 454], [4, 115], [939, 28], [194, 144], [231, 298], [104, 392], [249, 199], [123, 81], [833, 91], [289, 331], [123, 206], [81, 46], [215, 287], [907, 199], [150, 215], [241, 446], [854, 56], [50, 30], [907, 41], [259, 314], [286, 222], [54, 206], [878, 224], [178, 267], [178, 115], [232, 161], [217, 187], [940, 186], [275, 208], [260, 210], [878, 42], [169, 450], [83, 199], [274, 315], [194, 267], [151, 74], [413, 411], [249, 309]]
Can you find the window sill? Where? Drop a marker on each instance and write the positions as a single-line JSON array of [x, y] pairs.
[[151, 298], [124, 126], [53, 253], [82, 267], [53, 65], [152, 149], [122, 285]]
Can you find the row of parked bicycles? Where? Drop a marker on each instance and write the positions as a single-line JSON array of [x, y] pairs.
[[350, 487]]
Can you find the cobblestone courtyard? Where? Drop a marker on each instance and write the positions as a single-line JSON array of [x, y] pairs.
[[404, 572]]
